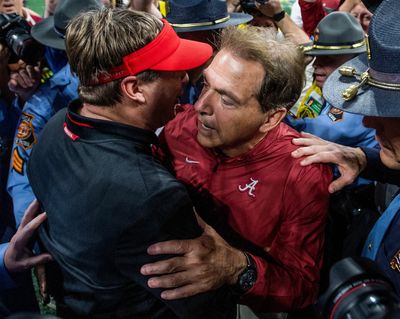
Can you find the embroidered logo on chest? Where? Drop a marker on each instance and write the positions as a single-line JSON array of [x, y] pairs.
[[395, 262], [249, 187]]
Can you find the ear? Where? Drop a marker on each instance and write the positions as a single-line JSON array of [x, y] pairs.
[[131, 88], [272, 119]]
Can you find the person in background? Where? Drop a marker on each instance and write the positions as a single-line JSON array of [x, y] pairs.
[[17, 6], [16, 256], [338, 38], [374, 95], [51, 96], [199, 21], [313, 11]]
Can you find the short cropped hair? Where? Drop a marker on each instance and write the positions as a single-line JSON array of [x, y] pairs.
[[96, 41], [282, 60]]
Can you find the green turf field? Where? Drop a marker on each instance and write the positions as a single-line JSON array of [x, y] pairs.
[[36, 5]]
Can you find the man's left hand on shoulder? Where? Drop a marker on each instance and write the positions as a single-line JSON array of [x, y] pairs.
[[203, 264]]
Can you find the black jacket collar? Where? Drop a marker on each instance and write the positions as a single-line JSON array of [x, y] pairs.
[[94, 129]]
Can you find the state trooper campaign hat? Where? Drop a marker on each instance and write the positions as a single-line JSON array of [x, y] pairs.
[[51, 31], [200, 15], [337, 33], [370, 83]]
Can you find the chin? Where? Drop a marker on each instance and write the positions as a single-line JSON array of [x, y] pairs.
[[205, 142], [389, 159]]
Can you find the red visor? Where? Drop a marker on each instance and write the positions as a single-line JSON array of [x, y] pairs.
[[167, 52]]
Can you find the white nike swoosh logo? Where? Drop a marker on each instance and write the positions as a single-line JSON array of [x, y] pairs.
[[189, 161]]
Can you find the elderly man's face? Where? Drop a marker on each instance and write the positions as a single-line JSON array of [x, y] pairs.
[[229, 114], [11, 6], [388, 136], [324, 65]]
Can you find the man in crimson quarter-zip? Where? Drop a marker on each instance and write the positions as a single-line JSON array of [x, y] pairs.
[[233, 153]]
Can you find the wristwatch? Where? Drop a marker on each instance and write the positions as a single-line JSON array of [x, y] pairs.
[[248, 277], [279, 16]]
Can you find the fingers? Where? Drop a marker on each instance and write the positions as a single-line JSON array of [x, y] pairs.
[[315, 151], [177, 247], [346, 178], [164, 266], [308, 140], [182, 292], [33, 261], [182, 285], [25, 234], [171, 280], [30, 212], [41, 276], [21, 79]]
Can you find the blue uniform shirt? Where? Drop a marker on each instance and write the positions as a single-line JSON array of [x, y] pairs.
[[383, 243], [339, 127], [336, 126], [51, 97]]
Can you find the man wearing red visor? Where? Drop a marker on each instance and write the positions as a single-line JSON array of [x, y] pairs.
[[105, 196]]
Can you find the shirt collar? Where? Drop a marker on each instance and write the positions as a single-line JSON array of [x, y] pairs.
[[77, 126]]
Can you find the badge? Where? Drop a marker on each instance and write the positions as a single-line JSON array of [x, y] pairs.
[[395, 262], [316, 35], [335, 114], [25, 133]]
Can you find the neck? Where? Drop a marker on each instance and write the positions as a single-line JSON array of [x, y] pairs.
[[243, 148], [119, 113]]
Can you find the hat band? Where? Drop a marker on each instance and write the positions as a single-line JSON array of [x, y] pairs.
[[160, 48], [60, 32], [200, 24], [386, 78], [335, 47]]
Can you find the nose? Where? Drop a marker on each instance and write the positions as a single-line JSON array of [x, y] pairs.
[[317, 62], [204, 102]]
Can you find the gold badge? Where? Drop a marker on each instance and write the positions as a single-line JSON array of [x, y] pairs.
[[395, 262], [26, 134]]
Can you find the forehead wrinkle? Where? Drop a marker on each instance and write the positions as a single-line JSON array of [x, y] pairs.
[[219, 89]]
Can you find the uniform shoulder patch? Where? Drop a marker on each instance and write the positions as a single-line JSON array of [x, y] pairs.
[[395, 262], [25, 134], [17, 162]]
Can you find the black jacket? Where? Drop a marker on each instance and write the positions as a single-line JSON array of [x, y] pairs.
[[107, 199]]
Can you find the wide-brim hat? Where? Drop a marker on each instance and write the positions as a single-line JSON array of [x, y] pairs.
[[200, 15], [337, 33], [370, 83], [51, 31], [372, 5]]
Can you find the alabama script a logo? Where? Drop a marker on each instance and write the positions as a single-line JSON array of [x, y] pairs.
[[250, 187]]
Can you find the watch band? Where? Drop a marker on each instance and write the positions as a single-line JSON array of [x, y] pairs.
[[279, 16], [248, 277]]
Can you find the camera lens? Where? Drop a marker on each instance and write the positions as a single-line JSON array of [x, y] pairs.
[[358, 290], [24, 46]]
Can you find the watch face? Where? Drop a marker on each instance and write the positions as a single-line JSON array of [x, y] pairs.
[[248, 279]]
